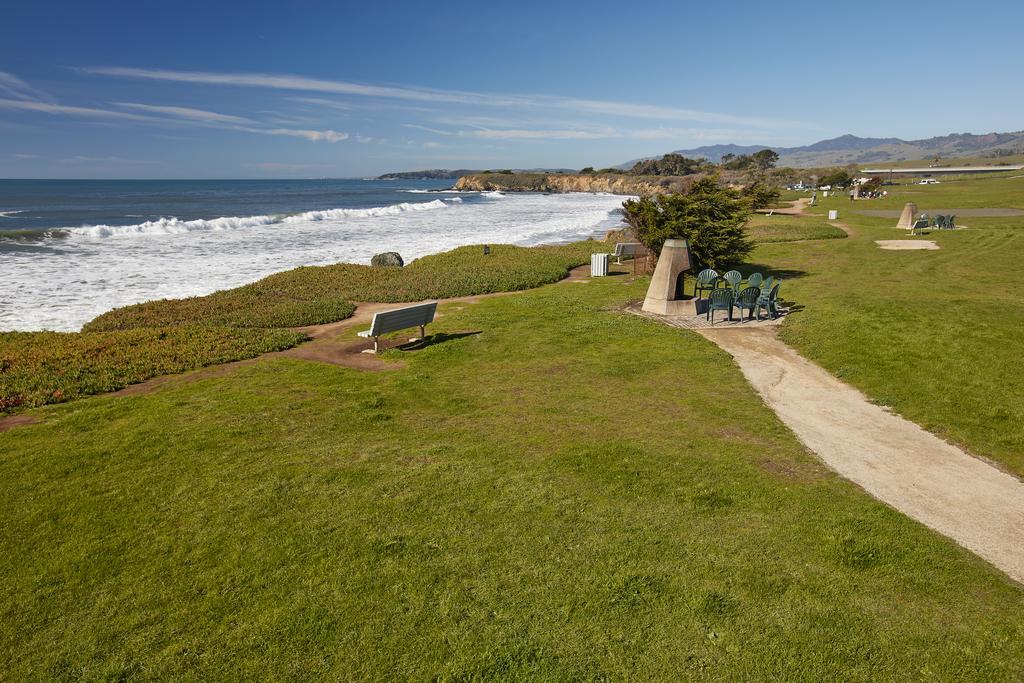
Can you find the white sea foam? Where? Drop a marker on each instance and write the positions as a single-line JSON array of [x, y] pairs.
[[64, 283], [175, 226], [5, 214]]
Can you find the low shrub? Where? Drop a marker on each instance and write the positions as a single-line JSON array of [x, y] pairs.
[[37, 368], [314, 295]]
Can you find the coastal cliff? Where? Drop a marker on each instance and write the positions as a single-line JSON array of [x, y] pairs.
[[566, 182]]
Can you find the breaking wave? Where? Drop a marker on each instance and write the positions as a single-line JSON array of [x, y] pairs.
[[175, 226]]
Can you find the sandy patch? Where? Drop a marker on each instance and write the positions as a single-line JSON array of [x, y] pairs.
[[907, 245]]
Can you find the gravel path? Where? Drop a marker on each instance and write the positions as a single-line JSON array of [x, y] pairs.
[[893, 459]]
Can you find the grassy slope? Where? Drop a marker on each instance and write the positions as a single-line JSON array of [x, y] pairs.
[[572, 493], [936, 335], [133, 343]]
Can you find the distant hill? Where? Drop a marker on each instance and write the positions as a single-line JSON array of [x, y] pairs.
[[445, 174], [850, 149], [429, 174]]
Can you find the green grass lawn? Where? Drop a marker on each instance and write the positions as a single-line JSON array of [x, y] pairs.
[[783, 228], [935, 335], [955, 192], [572, 493], [133, 343]]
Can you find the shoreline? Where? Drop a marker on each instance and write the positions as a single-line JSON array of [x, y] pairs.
[[612, 221], [181, 263]]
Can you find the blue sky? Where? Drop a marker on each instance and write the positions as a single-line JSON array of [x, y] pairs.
[[312, 89]]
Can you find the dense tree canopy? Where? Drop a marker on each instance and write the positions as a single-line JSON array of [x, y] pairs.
[[760, 195], [670, 164], [709, 216], [838, 178], [765, 159]]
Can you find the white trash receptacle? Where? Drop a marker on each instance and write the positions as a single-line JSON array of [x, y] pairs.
[[833, 214], [598, 265]]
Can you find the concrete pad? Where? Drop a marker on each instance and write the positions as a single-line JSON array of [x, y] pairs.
[[906, 245]]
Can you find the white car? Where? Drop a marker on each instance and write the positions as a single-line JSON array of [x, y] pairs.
[[928, 181]]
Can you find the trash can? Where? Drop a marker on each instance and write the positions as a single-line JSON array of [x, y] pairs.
[[598, 265], [833, 214]]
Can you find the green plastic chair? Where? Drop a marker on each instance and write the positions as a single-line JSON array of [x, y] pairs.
[[733, 278], [769, 302], [719, 300], [747, 300], [766, 284], [940, 222], [951, 222], [755, 280], [707, 280]]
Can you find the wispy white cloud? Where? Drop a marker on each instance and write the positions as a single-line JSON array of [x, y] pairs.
[[14, 87], [436, 131], [522, 134], [323, 102], [303, 83], [60, 109], [183, 113], [163, 115], [311, 135], [25, 156]]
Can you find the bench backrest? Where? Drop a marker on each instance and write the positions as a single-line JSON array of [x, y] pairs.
[[628, 249], [921, 224], [401, 318]]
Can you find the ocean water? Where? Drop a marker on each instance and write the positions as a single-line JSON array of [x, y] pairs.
[[70, 250]]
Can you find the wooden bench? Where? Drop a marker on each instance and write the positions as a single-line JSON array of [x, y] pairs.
[[399, 319], [628, 249], [632, 250]]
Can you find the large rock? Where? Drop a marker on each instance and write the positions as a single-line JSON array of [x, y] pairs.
[[387, 259]]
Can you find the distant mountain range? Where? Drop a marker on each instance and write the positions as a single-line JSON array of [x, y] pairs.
[[850, 149]]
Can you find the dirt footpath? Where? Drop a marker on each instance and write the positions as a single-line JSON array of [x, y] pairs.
[[893, 459]]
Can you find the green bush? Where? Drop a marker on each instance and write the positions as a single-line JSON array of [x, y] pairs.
[[37, 368], [709, 216], [321, 294]]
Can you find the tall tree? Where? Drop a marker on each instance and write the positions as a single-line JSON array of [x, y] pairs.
[[765, 159], [709, 216]]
